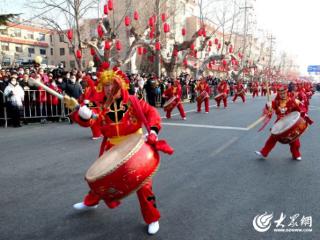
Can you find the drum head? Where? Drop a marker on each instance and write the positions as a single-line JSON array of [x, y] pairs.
[[285, 123], [114, 157]]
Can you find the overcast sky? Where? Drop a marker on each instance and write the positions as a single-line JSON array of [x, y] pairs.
[[294, 23]]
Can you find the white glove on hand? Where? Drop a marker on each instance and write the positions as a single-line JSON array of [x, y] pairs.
[[269, 105], [85, 113]]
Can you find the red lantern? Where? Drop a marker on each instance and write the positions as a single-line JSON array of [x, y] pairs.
[[158, 46], [195, 53], [105, 9], [136, 15], [107, 45], [163, 17], [151, 58], [145, 51], [70, 34], [92, 52], [110, 5], [210, 43], [185, 62], [230, 49], [100, 31], [127, 21], [209, 49], [216, 41], [183, 31], [204, 33], [200, 32], [166, 27], [151, 22], [78, 54], [140, 50], [151, 34], [118, 45], [175, 52], [219, 46], [192, 46], [213, 62], [224, 62]]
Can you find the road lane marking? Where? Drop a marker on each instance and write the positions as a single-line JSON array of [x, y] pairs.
[[224, 146], [205, 126], [253, 125], [192, 110]]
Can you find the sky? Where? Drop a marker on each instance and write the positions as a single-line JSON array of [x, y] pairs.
[[294, 24]]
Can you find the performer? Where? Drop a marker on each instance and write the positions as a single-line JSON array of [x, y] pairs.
[[263, 88], [174, 91], [203, 90], [120, 116], [240, 92], [255, 88], [283, 105], [90, 98], [223, 90]]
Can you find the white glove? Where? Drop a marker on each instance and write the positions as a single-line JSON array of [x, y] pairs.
[[269, 105], [85, 113], [86, 101]]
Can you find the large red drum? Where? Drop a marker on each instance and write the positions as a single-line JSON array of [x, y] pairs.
[[289, 128], [219, 96], [123, 169], [170, 104]]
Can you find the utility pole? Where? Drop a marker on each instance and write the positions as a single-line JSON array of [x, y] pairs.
[[246, 7], [271, 39]]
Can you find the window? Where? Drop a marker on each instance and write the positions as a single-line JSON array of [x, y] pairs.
[[17, 32], [4, 31], [6, 62], [19, 48], [30, 36], [51, 51], [31, 50], [43, 51], [70, 50], [42, 37], [62, 52], [61, 38], [64, 63], [72, 64], [5, 46], [51, 39]]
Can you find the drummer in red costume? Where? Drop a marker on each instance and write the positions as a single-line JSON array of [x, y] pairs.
[[119, 119], [264, 88], [90, 98], [223, 90], [174, 91], [240, 92], [283, 105], [255, 89], [203, 90]]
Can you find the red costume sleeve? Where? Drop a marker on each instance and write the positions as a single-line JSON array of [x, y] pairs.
[[151, 114]]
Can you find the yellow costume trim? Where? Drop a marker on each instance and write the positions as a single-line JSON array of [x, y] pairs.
[[119, 139]]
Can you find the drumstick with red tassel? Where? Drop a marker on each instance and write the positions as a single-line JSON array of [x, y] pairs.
[[267, 111]]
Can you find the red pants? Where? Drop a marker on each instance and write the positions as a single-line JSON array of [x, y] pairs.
[[271, 142], [206, 104], [181, 110], [95, 129], [239, 95], [146, 198], [255, 93], [263, 92], [224, 102]]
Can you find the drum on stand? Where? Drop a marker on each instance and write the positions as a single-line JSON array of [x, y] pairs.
[[123, 169], [289, 128]]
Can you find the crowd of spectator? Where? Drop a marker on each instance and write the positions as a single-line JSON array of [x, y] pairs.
[[20, 98]]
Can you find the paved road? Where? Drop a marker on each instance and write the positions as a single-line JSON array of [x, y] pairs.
[[211, 188]]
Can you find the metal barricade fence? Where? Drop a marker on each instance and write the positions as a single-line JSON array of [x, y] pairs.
[[38, 104]]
